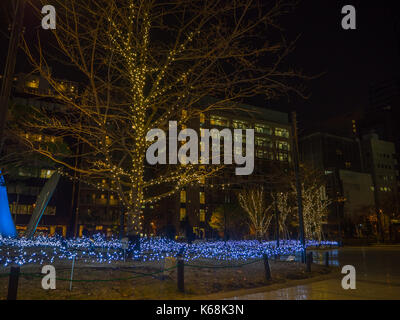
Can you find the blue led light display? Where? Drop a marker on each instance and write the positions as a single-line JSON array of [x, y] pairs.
[[43, 249]]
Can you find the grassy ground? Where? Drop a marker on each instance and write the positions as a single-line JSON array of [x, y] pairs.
[[135, 283]]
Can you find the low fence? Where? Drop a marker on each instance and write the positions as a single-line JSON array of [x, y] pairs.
[[179, 264]]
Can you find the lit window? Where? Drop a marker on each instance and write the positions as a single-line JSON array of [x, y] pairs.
[[260, 153], [282, 145], [46, 174], [263, 142], [264, 154], [202, 198], [282, 156], [237, 124], [202, 118], [25, 173], [263, 128], [202, 215], [218, 121], [33, 84], [183, 196], [281, 132], [182, 214]]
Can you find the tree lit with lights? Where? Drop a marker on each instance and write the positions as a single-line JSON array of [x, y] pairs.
[[142, 64]]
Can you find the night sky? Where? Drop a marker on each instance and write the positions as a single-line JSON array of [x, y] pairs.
[[351, 60]]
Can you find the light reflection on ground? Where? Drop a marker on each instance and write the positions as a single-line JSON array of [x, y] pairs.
[[378, 277]]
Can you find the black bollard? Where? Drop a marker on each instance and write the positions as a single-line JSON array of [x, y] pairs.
[[181, 274], [267, 268], [13, 283], [309, 261], [327, 259]]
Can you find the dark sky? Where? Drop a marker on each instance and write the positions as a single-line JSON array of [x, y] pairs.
[[350, 59]]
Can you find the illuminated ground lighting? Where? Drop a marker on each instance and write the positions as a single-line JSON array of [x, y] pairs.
[[42, 249]]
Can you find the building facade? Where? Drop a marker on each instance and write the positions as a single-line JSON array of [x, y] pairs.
[[339, 158], [26, 178], [381, 161], [273, 147]]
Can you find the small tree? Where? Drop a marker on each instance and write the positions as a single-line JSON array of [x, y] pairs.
[[254, 203], [285, 211], [228, 218], [315, 201], [217, 221], [315, 210]]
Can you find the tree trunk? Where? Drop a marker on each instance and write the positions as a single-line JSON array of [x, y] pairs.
[[134, 229]]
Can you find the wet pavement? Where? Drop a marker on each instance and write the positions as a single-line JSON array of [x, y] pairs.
[[377, 277]]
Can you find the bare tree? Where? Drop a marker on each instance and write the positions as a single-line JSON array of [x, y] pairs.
[[315, 201], [285, 209], [143, 63], [254, 203]]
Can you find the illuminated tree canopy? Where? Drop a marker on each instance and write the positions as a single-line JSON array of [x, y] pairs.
[[143, 63]]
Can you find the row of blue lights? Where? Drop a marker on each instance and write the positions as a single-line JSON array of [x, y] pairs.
[[41, 250]]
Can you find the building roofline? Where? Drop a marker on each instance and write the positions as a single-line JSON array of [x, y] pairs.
[[328, 135]]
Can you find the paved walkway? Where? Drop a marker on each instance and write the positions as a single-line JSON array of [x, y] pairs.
[[378, 277]]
